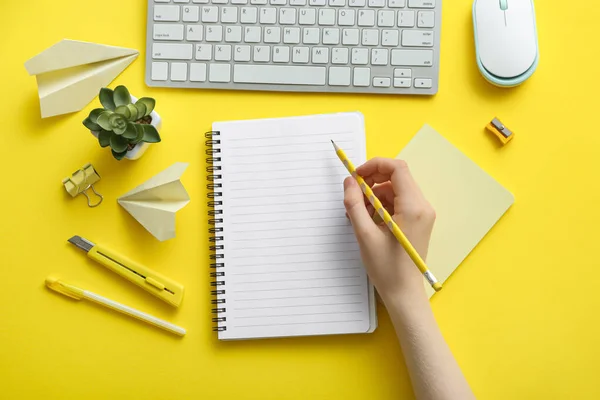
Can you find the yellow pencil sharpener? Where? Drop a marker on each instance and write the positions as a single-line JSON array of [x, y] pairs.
[[500, 130]]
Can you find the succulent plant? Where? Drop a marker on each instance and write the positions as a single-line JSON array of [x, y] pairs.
[[122, 124]]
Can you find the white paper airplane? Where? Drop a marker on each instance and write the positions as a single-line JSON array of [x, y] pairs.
[[71, 73], [155, 202]]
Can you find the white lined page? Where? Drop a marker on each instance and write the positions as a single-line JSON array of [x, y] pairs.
[[291, 262]]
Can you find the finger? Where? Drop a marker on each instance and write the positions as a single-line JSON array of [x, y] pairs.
[[356, 209], [385, 193], [379, 170]]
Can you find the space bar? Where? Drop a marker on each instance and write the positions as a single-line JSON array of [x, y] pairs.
[[279, 74]]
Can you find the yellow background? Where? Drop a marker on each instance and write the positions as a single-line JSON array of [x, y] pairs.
[[520, 314]]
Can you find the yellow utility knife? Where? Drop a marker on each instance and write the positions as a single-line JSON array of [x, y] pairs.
[[161, 287]]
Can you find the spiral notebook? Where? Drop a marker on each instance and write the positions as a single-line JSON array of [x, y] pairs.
[[285, 260]]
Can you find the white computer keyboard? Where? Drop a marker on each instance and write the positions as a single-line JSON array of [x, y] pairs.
[[352, 46]]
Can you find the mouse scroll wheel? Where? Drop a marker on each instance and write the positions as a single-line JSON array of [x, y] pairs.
[[504, 4]]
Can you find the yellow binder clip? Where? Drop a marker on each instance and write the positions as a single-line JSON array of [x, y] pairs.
[[81, 181]]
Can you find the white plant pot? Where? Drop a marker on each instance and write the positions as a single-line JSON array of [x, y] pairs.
[[140, 148]]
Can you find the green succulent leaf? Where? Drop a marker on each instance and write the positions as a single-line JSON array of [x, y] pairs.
[[118, 156], [130, 133], [104, 138], [150, 134], [134, 112], [103, 120], [124, 111], [106, 98], [140, 133], [141, 110], [95, 113], [118, 143], [121, 96], [90, 125], [149, 103]]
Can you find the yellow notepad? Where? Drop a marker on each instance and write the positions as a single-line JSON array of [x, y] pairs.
[[468, 201]]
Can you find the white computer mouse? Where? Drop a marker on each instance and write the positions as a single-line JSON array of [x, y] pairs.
[[506, 40]]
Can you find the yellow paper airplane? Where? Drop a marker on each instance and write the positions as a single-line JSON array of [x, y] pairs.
[[155, 202], [71, 73]]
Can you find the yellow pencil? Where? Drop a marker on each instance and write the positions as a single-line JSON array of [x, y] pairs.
[[412, 253]]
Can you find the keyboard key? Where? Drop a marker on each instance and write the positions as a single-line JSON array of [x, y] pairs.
[[402, 82], [166, 13], [272, 34], [317, 2], [233, 34], [320, 55], [339, 55], [426, 19], [167, 32], [176, 1], [406, 19], [219, 1], [199, 1], [362, 77], [214, 33], [360, 56], [346, 17], [179, 72], [396, 3], [423, 83], [337, 3], [385, 18], [191, 14], [366, 18], [390, 37], [279, 74], [171, 51], [223, 52], [193, 33], [382, 82], [331, 36], [357, 3], [239, 2], [300, 55], [412, 58], [268, 15], [339, 76], [278, 2], [287, 16], [307, 16], [379, 56], [252, 34], [204, 52], [258, 2], [229, 15], [210, 14], [297, 2], [281, 54], [219, 73], [291, 35], [311, 36], [241, 53], [377, 3], [326, 16], [414, 38], [249, 15], [402, 73], [197, 72], [262, 54], [421, 3], [350, 37], [370, 37], [160, 71]]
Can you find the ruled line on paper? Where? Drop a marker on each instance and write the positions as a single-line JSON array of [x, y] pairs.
[[297, 202], [293, 236], [283, 186], [299, 280], [299, 315], [300, 305], [299, 323], [274, 195], [288, 289], [301, 297], [230, 266], [295, 271], [287, 161], [286, 152], [297, 168], [263, 136], [270, 145], [293, 245], [333, 210], [300, 254], [274, 179], [289, 227]]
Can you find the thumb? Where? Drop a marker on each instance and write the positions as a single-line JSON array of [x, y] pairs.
[[356, 209]]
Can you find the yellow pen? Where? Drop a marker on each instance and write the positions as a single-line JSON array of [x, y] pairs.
[[412, 253], [78, 294]]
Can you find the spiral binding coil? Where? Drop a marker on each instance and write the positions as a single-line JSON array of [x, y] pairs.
[[213, 178]]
